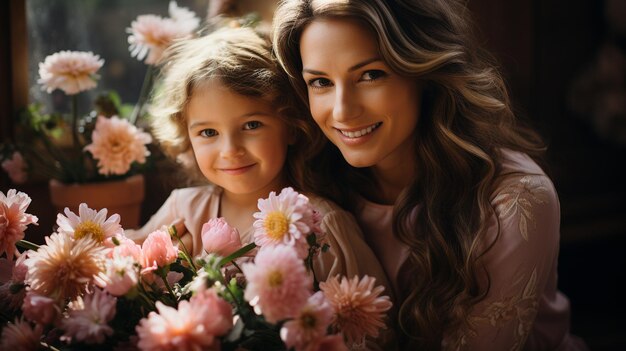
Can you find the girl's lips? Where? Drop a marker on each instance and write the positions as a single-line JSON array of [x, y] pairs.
[[237, 170]]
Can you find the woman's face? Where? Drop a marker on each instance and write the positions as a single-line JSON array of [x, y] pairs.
[[363, 107]]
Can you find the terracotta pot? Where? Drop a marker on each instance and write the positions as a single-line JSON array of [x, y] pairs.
[[123, 197]]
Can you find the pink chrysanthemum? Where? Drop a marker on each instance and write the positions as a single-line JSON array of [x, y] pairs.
[[119, 276], [359, 311], [286, 219], [40, 309], [64, 267], [15, 168], [194, 326], [150, 35], [70, 71], [88, 318], [116, 144], [20, 335], [13, 275], [278, 283], [309, 327], [89, 223], [13, 220], [185, 18]]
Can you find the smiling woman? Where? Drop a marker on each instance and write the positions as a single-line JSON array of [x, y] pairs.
[[365, 108], [429, 156]]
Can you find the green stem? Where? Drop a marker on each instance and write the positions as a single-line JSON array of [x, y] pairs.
[[163, 276], [25, 244], [174, 233], [75, 140], [236, 254], [143, 95], [80, 160]]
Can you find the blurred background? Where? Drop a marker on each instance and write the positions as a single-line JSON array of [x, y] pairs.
[[564, 60]]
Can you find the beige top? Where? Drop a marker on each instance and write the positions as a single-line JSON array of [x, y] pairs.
[[523, 309], [348, 255]]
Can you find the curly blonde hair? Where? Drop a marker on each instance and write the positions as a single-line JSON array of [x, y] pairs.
[[465, 122], [241, 59]]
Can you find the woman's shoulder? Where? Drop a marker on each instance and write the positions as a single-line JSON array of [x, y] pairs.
[[520, 175], [525, 200]]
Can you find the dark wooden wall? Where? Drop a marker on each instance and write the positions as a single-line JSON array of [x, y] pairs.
[[543, 46]]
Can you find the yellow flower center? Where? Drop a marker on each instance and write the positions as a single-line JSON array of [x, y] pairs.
[[89, 228], [276, 225], [275, 279]]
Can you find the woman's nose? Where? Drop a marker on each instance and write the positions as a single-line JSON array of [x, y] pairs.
[[346, 105]]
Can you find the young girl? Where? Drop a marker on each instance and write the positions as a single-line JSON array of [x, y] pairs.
[[225, 104], [428, 155]]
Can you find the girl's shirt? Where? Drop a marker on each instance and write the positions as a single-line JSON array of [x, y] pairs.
[[523, 308], [348, 255]]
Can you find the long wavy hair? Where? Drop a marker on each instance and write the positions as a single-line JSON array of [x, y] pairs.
[[466, 120], [241, 59]]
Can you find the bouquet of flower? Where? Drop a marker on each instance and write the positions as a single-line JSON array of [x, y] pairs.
[[105, 143], [90, 286]]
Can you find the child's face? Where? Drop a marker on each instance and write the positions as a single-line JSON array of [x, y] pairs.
[[238, 141], [365, 108]]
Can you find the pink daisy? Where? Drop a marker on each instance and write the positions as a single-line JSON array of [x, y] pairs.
[[309, 326], [20, 335], [278, 283], [116, 144], [13, 220], [88, 317], [15, 168], [70, 71], [89, 223], [359, 311], [286, 219], [63, 267]]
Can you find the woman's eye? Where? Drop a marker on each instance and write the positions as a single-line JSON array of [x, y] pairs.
[[252, 125], [207, 133], [373, 75], [319, 83]]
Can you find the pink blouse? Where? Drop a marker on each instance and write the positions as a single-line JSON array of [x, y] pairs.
[[523, 309], [348, 255]]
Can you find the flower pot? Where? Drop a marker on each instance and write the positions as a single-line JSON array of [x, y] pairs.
[[123, 197]]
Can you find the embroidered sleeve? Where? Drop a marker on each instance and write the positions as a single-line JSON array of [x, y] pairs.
[[519, 265]]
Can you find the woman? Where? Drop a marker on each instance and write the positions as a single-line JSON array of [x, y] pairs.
[[433, 163]]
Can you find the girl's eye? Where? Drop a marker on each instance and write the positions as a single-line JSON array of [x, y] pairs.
[[319, 83], [252, 125], [372, 75], [207, 133]]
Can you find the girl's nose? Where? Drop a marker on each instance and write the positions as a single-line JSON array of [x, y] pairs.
[[231, 147], [347, 106]]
